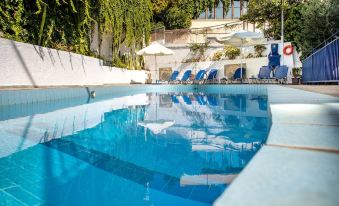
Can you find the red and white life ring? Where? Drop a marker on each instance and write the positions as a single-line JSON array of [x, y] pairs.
[[288, 50]]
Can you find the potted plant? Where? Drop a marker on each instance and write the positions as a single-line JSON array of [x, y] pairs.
[[296, 75]]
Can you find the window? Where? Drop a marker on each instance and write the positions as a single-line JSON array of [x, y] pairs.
[[219, 11]]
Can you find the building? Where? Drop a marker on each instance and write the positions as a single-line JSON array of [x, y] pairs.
[[235, 10]]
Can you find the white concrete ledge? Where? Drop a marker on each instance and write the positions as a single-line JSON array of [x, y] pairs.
[[300, 165]]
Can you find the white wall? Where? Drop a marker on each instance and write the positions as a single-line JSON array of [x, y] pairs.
[[24, 64], [182, 52]]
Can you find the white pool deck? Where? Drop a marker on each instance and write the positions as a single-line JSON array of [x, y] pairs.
[[299, 165]]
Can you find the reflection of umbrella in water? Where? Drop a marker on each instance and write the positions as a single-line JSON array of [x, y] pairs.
[[156, 126]]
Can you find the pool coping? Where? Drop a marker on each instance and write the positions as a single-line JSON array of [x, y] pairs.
[[302, 139]]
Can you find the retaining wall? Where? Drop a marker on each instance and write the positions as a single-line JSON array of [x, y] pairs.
[[24, 64]]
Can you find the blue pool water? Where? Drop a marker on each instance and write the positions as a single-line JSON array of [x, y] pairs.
[[144, 149]]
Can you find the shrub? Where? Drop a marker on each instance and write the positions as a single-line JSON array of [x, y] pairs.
[[296, 72], [217, 56], [259, 49], [231, 52], [250, 55]]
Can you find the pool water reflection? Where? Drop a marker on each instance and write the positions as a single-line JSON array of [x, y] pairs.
[[174, 149]]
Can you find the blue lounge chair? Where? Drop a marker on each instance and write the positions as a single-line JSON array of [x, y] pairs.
[[173, 76], [265, 74], [281, 73], [200, 76], [186, 76], [212, 76], [239, 74]]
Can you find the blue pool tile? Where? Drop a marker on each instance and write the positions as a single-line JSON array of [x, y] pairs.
[[22, 195], [5, 183], [173, 187], [210, 192], [8, 200]]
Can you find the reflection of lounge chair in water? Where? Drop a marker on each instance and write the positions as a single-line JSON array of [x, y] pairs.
[[175, 99], [186, 99], [212, 100], [200, 99], [262, 102], [241, 137]]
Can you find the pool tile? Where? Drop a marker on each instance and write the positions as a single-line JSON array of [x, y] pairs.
[[22, 195], [8, 200], [173, 187], [5, 183]]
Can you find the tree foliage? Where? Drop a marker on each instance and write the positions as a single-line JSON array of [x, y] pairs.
[[320, 21], [306, 23], [177, 14], [67, 24]]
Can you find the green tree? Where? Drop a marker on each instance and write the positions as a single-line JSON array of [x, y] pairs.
[[306, 23], [177, 14], [320, 21], [68, 24]]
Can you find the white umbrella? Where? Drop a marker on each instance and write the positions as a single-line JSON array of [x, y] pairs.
[[241, 39], [155, 49]]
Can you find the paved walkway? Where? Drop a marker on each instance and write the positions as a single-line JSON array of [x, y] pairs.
[[300, 162], [332, 90]]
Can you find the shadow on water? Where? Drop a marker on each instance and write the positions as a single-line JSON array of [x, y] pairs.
[[25, 133]]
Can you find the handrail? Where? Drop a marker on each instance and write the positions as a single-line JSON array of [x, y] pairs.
[[327, 41]]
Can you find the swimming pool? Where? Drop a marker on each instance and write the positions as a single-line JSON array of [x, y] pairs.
[[142, 147]]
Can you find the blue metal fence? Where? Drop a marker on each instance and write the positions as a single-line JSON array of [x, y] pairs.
[[323, 65]]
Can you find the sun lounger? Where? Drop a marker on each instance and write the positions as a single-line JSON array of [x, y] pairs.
[[212, 76], [186, 77], [173, 77], [265, 74], [238, 75], [199, 78], [281, 73]]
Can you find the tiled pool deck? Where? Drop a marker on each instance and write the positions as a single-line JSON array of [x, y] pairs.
[[299, 164]]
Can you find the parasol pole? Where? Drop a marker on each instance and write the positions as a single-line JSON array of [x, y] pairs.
[[241, 48], [156, 70], [282, 31]]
